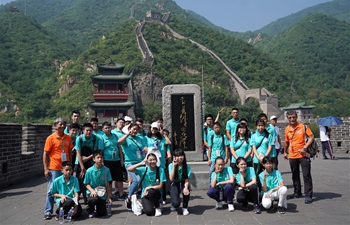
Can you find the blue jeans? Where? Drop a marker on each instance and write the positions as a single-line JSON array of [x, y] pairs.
[[229, 192], [135, 182], [49, 198]]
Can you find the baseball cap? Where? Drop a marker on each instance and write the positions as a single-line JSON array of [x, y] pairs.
[[155, 125], [273, 117], [128, 118]]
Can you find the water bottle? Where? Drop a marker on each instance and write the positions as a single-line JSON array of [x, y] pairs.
[[109, 209], [61, 216], [221, 194], [157, 182], [69, 215]]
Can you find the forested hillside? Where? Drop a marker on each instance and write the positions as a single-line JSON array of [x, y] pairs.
[[338, 9], [316, 51], [307, 62], [29, 60]]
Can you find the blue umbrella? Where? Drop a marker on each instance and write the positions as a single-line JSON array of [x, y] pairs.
[[329, 121]]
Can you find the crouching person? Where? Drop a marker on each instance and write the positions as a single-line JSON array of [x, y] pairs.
[[221, 187], [273, 186], [65, 189], [97, 182], [152, 180]]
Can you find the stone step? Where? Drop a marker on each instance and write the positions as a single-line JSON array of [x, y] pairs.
[[200, 175]]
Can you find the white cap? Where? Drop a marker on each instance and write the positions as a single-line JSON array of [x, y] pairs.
[[155, 125], [273, 117], [128, 118]]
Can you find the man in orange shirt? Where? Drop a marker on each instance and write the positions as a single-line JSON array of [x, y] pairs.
[[295, 150], [56, 151]]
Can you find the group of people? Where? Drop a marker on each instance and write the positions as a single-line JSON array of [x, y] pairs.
[[99, 158], [253, 158]]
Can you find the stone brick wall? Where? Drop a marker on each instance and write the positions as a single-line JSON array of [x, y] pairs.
[[21, 150]]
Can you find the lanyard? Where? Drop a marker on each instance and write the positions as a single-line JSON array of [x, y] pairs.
[[61, 143]]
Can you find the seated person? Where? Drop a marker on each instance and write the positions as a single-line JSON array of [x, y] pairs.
[[272, 186], [152, 180], [246, 180], [97, 180], [65, 189], [179, 176], [221, 187]]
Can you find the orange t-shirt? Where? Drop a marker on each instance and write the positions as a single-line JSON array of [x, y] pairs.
[[55, 146], [296, 139]]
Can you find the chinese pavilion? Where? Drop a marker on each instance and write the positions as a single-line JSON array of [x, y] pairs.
[[111, 95]]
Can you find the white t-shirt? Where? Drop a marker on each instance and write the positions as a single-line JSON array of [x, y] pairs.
[[323, 135], [277, 145]]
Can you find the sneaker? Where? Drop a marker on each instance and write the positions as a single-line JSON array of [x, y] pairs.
[[121, 197], [219, 205], [295, 195], [128, 203], [116, 194], [158, 212], [334, 158], [281, 210], [231, 208], [47, 216], [308, 200], [172, 208], [324, 158], [185, 211], [257, 209], [91, 215]]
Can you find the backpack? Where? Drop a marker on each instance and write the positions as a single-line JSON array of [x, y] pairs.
[[313, 148], [223, 140]]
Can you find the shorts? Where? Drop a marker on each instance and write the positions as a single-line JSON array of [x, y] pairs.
[[116, 170]]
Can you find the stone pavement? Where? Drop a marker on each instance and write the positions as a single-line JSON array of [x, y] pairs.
[[24, 203]]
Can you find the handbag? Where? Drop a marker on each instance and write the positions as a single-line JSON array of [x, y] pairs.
[[136, 206], [101, 190]]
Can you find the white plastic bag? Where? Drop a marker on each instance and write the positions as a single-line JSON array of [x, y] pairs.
[[136, 206]]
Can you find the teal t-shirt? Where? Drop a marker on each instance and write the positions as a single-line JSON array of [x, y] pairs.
[[60, 186], [110, 150], [150, 177], [207, 131], [94, 143], [225, 175], [248, 177], [231, 125], [217, 147], [272, 131], [99, 133], [97, 177], [132, 149], [117, 132], [241, 147], [272, 180], [155, 142], [179, 171], [266, 142]]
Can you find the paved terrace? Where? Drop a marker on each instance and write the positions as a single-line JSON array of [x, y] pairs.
[[24, 203]]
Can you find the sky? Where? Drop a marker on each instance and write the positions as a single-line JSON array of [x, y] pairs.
[[245, 15]]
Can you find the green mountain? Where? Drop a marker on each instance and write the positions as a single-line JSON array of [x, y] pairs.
[[338, 9], [30, 57], [45, 77], [316, 50]]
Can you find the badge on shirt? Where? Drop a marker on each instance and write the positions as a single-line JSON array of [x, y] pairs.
[[218, 152], [63, 157]]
